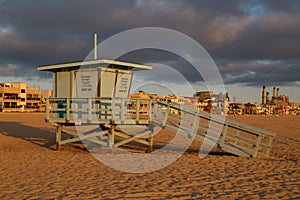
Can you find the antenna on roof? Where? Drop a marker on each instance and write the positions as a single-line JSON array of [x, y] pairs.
[[95, 46]]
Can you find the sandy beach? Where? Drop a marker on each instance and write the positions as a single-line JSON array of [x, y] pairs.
[[30, 169]]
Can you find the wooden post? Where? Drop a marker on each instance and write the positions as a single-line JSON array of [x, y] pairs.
[[155, 110], [58, 135], [89, 110], [269, 145], [137, 111], [68, 110], [223, 136], [113, 108], [150, 111], [257, 146], [151, 142], [166, 117], [194, 126], [47, 110], [111, 136], [123, 107]]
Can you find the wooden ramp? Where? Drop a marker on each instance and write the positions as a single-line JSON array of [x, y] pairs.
[[227, 134]]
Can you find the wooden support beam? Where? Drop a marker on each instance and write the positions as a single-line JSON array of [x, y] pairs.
[[64, 130], [89, 110], [126, 136], [68, 107], [83, 137], [111, 136], [194, 126], [47, 110], [137, 111], [134, 138], [269, 145], [58, 135], [151, 142], [257, 146], [223, 136], [166, 117]]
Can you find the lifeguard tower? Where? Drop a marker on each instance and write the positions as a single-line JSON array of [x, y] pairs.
[[96, 92]]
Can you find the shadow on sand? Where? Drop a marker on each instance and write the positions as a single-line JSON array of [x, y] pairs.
[[45, 138], [34, 135]]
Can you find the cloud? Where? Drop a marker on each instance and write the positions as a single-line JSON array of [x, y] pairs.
[[261, 72], [239, 35]]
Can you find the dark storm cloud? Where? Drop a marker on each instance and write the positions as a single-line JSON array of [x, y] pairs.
[[261, 72], [240, 35]]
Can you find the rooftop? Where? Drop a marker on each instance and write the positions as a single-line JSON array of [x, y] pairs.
[[95, 63]]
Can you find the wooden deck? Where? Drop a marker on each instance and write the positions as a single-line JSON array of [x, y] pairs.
[[229, 135]]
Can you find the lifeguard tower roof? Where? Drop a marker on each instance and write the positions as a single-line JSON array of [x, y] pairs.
[[94, 63]]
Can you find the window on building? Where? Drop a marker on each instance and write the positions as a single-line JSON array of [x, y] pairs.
[[23, 90], [22, 99]]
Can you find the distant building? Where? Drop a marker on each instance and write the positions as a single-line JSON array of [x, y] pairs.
[[17, 97], [144, 105]]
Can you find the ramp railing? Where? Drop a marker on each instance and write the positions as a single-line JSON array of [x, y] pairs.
[[235, 137]]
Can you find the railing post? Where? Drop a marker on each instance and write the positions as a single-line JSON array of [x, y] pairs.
[[113, 110], [257, 146], [269, 145], [166, 117], [122, 110], [47, 110], [194, 125], [137, 111], [89, 119], [58, 135], [223, 136], [150, 111], [68, 110]]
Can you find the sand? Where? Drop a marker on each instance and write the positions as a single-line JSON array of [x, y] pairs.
[[30, 169]]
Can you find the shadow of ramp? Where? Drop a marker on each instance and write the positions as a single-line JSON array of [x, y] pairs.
[[34, 135]]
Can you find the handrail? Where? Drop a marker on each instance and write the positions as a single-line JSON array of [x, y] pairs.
[[230, 122]]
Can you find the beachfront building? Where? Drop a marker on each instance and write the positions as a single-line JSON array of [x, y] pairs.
[[144, 106], [214, 103], [17, 97]]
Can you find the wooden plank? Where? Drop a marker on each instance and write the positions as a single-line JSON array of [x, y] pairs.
[[83, 137], [133, 139], [234, 149], [126, 136], [69, 132], [97, 141]]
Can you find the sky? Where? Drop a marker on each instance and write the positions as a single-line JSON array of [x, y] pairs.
[[253, 43]]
